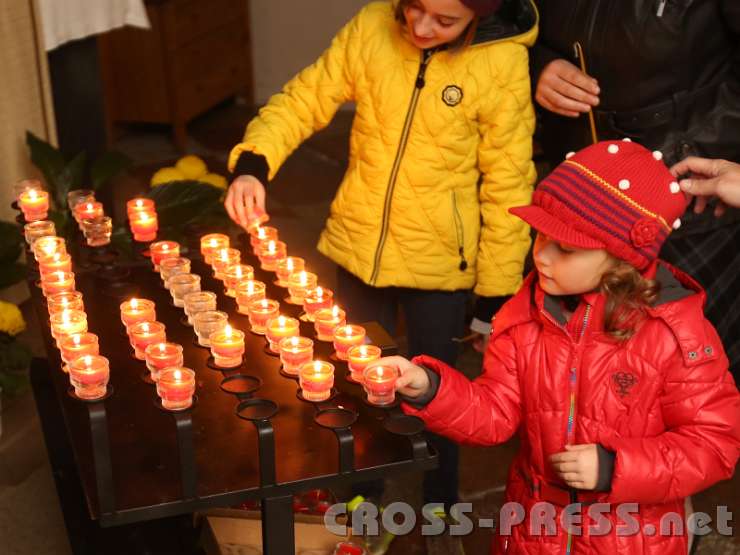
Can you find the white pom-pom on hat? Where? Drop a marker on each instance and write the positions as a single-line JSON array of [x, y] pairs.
[[624, 184], [677, 223], [612, 149], [675, 188], [658, 155], [627, 140], [569, 155]]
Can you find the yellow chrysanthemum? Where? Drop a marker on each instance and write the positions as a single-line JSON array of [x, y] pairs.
[[165, 175], [11, 319], [192, 167], [215, 179]]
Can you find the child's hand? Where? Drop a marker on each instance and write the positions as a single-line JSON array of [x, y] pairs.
[[578, 465], [413, 381], [245, 199]]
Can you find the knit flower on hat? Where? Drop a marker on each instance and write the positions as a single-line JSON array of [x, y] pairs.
[[644, 232]]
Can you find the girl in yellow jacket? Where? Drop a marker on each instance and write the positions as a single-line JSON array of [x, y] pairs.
[[441, 148]]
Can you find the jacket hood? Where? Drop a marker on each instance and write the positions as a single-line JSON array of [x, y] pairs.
[[515, 20]]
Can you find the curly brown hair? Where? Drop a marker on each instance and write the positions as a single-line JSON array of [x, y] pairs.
[[465, 38], [628, 294]]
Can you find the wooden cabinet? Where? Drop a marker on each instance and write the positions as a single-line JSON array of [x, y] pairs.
[[196, 54]]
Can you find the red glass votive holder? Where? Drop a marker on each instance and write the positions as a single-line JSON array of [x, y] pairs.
[[316, 379], [88, 211], [315, 300], [236, 274], [279, 328], [68, 300], [227, 347], [211, 243], [134, 311], [359, 357], [259, 234], [299, 283], [270, 253], [89, 375], [379, 382], [57, 262], [137, 205], [144, 226], [261, 312], [347, 336], [143, 334], [176, 387], [326, 320], [287, 266], [246, 292], [222, 259], [67, 322], [58, 282], [161, 250], [76, 345], [294, 353], [35, 204], [159, 356]]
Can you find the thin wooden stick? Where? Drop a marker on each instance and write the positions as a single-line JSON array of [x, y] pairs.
[[582, 59]]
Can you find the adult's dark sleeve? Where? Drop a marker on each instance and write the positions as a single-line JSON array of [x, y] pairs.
[[250, 163]]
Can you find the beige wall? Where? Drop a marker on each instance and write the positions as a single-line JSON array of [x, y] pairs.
[[25, 101], [288, 35]]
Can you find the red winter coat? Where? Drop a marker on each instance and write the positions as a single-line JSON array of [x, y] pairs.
[[663, 402]]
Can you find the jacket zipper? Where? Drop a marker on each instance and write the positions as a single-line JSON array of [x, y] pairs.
[[573, 380], [418, 85], [572, 393], [459, 233]]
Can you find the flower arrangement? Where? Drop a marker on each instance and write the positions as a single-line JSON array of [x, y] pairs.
[[188, 168]]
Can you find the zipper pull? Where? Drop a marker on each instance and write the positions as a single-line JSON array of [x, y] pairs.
[[661, 7], [426, 55], [463, 262]]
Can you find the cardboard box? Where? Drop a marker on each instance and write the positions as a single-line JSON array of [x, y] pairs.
[[238, 532]]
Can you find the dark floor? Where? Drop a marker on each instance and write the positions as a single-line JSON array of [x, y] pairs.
[[298, 200]]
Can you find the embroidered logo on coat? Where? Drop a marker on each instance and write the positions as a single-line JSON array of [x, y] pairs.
[[623, 382], [452, 95]]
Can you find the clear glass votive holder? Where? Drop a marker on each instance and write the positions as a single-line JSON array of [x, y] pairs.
[[207, 322], [180, 285], [89, 375], [198, 301]]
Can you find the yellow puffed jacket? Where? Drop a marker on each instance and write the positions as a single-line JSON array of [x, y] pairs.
[[429, 126]]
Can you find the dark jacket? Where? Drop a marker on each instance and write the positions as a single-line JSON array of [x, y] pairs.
[[670, 81]]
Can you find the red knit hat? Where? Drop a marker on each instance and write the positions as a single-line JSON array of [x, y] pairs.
[[614, 195], [482, 8]]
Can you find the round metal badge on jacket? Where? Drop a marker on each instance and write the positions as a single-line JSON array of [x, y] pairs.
[[452, 95]]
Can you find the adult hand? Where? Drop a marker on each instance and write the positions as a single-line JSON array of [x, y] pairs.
[[710, 178], [245, 199], [566, 90], [578, 465], [413, 381]]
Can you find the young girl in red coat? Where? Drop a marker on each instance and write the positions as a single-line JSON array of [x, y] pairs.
[[604, 364]]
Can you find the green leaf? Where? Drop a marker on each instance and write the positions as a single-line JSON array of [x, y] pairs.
[[70, 178], [14, 356], [108, 166], [61, 223], [47, 159], [122, 241], [11, 243], [182, 202]]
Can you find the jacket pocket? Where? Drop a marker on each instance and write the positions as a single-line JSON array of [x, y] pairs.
[[459, 233]]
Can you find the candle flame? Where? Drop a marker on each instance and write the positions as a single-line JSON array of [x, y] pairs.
[[145, 327], [238, 271], [317, 366], [89, 206], [139, 203], [177, 375], [281, 321], [57, 257], [250, 287], [294, 340], [289, 264], [33, 195], [76, 339], [162, 347], [214, 243], [319, 292], [65, 317], [88, 360], [165, 247], [134, 303], [271, 248], [60, 275], [227, 331], [261, 233], [265, 304], [224, 254], [335, 311], [363, 351], [144, 218], [348, 330]]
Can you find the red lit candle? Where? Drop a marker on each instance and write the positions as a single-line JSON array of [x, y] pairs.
[[270, 253], [89, 376], [144, 226], [247, 292], [163, 355], [315, 300], [222, 259], [68, 300], [227, 347], [358, 359], [287, 266], [211, 243], [316, 380], [327, 319], [67, 322], [134, 311], [294, 353], [379, 382], [88, 211], [140, 204], [76, 345], [143, 334], [259, 234], [261, 312], [236, 274], [58, 282], [46, 246], [57, 262], [176, 387], [35, 204], [298, 284], [163, 249], [278, 328], [347, 336]]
